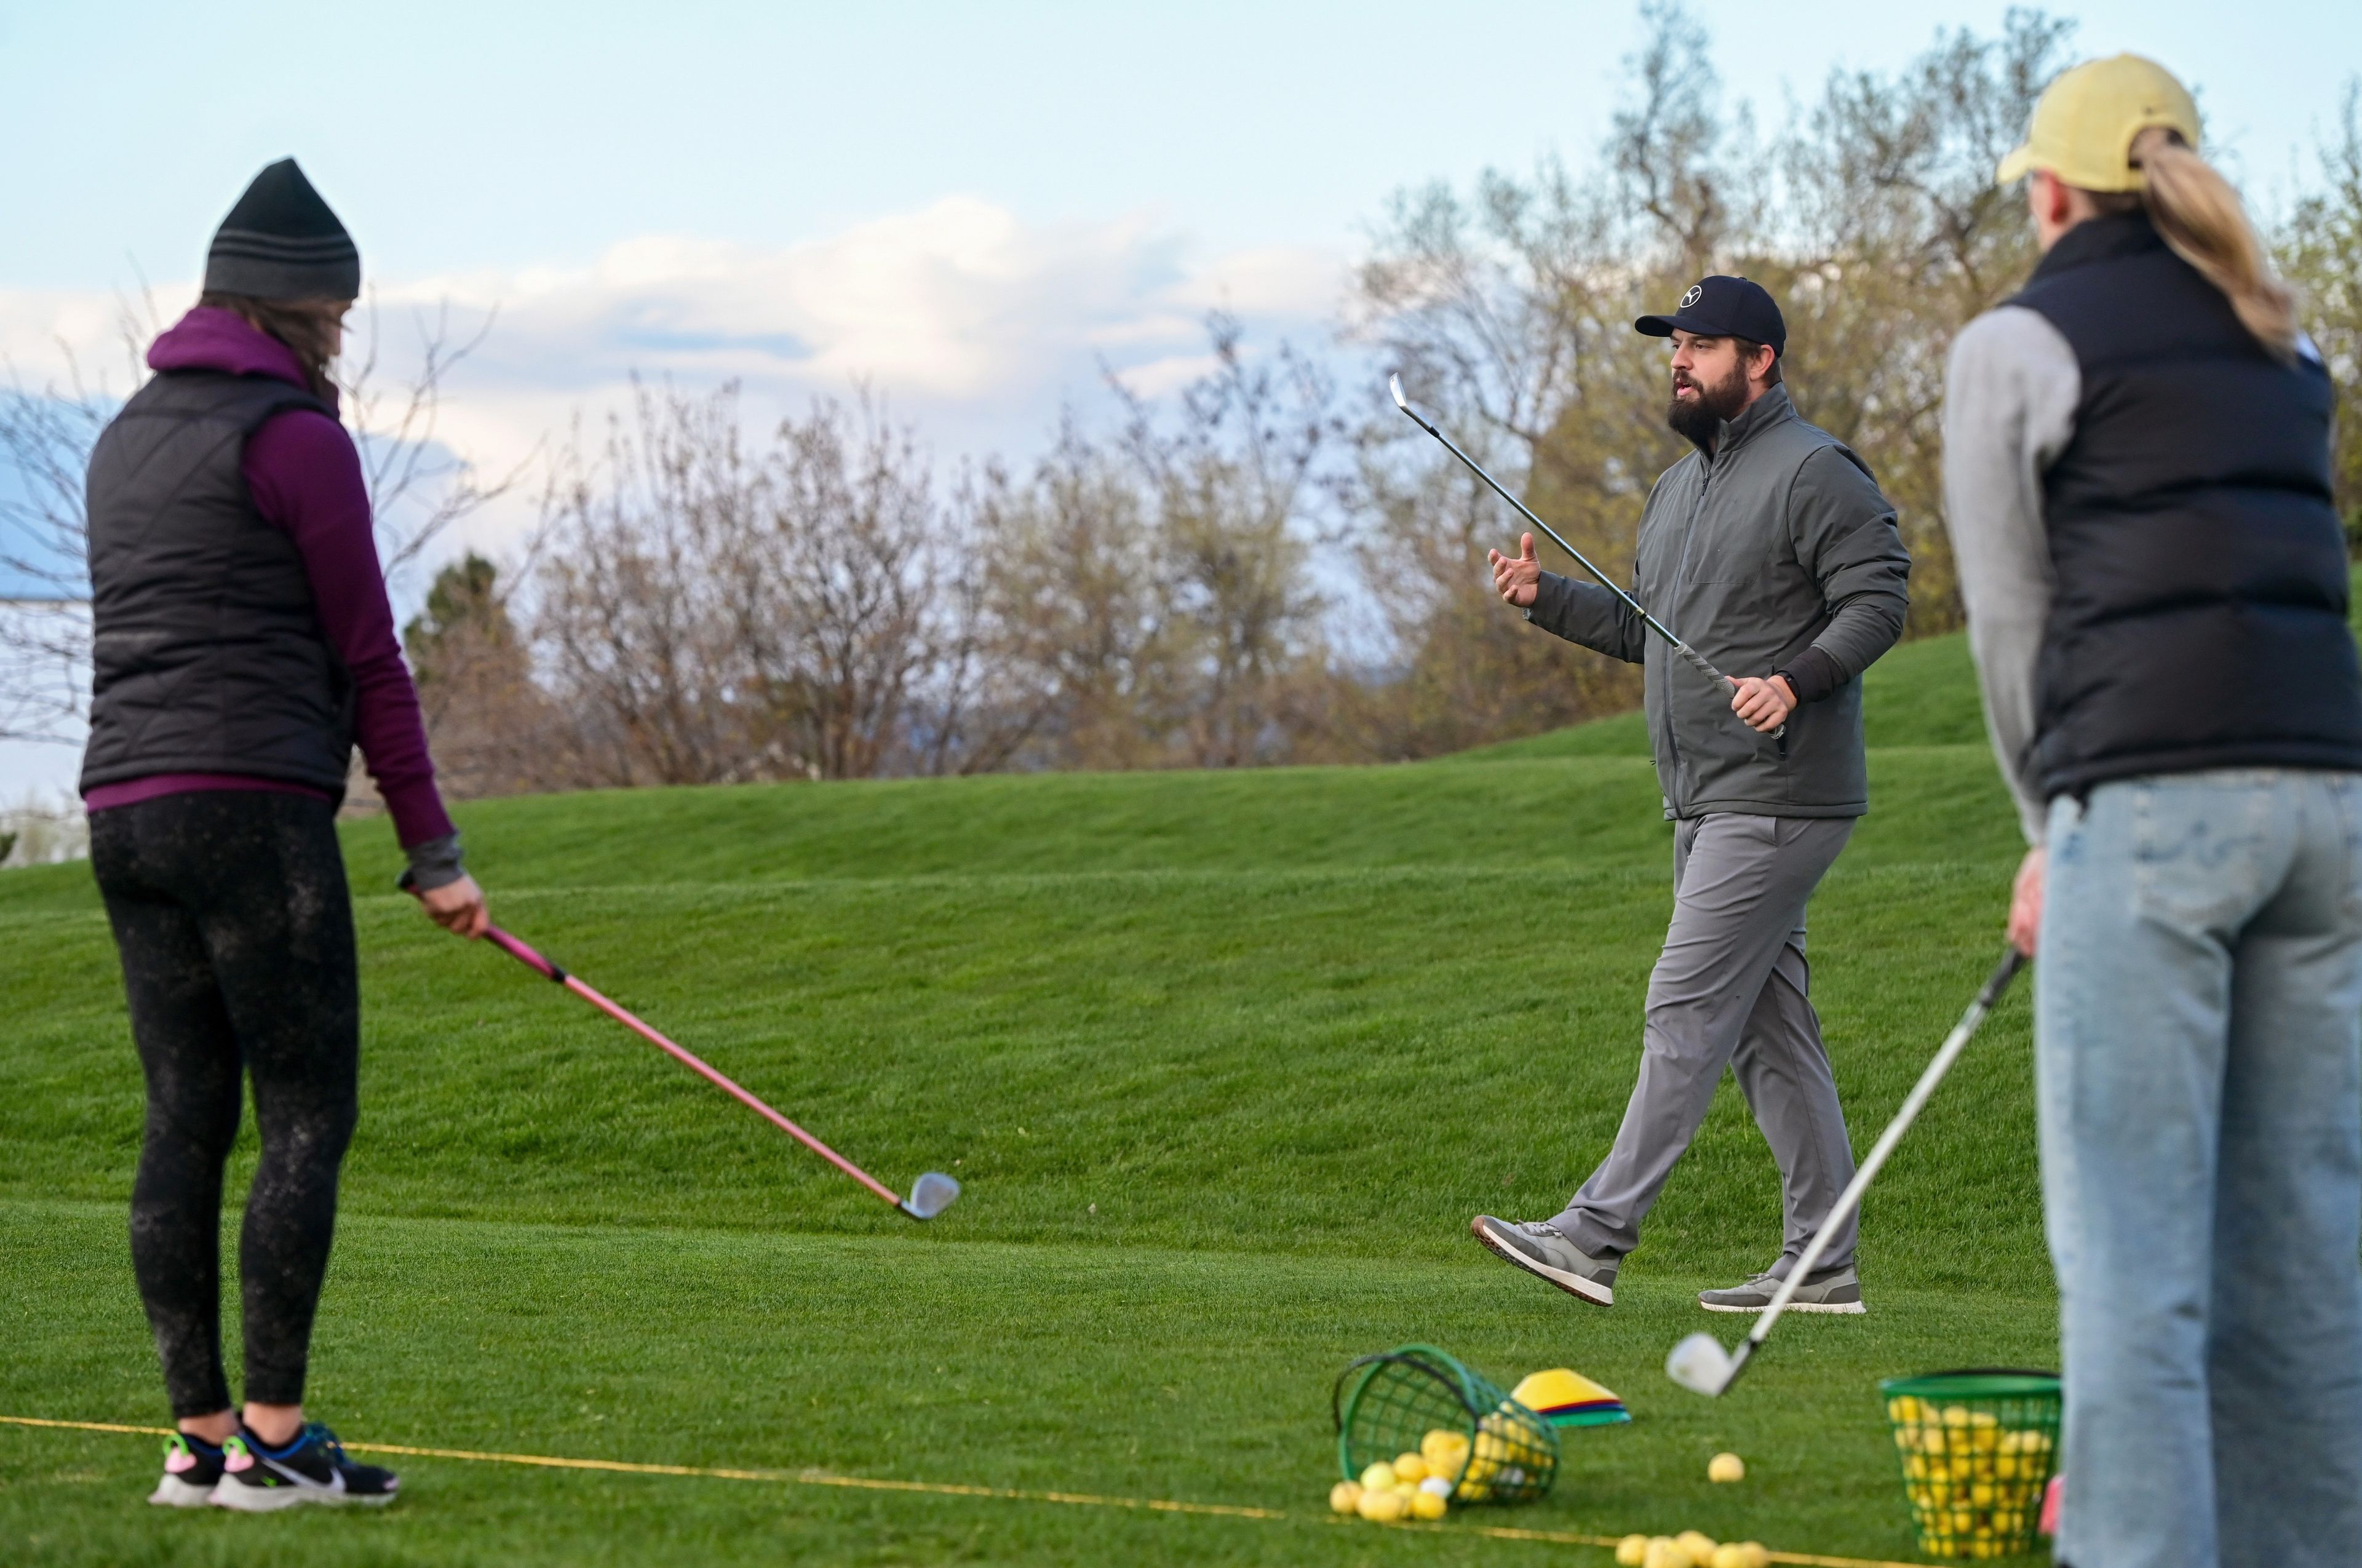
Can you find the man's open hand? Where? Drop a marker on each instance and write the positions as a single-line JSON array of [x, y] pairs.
[[1763, 703], [1517, 579]]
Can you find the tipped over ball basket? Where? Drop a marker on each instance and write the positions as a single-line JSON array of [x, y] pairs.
[[1419, 1400]]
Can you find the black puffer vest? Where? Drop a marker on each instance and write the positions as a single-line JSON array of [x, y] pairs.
[[2199, 616], [207, 656]]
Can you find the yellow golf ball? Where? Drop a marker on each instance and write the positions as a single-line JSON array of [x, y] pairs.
[[1665, 1552], [1344, 1497], [1698, 1544], [1382, 1507], [1632, 1551], [1726, 1467], [1425, 1505], [1729, 1555], [1410, 1467], [1378, 1478]]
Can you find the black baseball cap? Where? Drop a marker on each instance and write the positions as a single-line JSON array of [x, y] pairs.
[[1723, 307]]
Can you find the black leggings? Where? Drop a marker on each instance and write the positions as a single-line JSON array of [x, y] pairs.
[[235, 928]]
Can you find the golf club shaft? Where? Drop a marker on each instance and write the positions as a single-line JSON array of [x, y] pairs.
[[1697, 659], [525, 955], [1850, 1198]]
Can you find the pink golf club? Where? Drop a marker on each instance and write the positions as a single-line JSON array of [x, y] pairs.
[[929, 1195]]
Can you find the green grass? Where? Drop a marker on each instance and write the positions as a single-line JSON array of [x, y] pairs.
[[1921, 693], [1226, 1061]]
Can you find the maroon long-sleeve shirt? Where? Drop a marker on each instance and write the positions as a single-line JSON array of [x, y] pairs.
[[305, 477]]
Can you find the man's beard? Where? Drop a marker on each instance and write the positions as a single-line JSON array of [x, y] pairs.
[[1698, 419]]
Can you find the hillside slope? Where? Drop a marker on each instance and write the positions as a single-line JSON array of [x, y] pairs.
[[1312, 980], [1226, 1062]]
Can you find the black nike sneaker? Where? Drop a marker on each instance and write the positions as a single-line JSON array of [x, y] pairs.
[[312, 1468], [192, 1467]]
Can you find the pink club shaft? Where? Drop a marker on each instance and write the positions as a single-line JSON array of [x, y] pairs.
[[524, 953]]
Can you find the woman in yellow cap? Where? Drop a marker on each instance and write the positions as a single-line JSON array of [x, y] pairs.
[[2137, 483]]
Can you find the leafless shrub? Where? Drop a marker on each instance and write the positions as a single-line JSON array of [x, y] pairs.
[[710, 613]]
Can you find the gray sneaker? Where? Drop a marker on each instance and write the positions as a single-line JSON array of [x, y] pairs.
[[1536, 1246], [1831, 1290]]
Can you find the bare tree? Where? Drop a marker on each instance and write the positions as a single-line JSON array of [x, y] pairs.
[[2319, 250], [637, 633], [710, 613], [1235, 484], [418, 487], [835, 600], [44, 615], [1068, 616]]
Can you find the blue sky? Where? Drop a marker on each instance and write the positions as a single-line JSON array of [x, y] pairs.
[[968, 207], [511, 135]]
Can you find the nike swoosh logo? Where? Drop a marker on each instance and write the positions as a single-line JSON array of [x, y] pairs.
[[336, 1482]]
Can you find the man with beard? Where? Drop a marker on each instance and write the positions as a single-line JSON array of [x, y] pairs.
[[1770, 549]]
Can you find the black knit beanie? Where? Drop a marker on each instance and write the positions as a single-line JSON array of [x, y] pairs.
[[280, 242]]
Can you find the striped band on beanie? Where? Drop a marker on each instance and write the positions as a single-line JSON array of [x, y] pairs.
[[282, 242]]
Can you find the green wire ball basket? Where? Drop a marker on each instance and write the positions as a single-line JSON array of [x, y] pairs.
[[1977, 1449], [1419, 1400]]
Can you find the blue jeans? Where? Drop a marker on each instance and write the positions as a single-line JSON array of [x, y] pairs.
[[2199, 1058]]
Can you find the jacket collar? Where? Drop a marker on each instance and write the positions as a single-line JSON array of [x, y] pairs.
[[1771, 408], [2099, 239], [212, 340]]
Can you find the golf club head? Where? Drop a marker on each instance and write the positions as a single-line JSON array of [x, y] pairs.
[[930, 1196], [1700, 1365], [1394, 385]]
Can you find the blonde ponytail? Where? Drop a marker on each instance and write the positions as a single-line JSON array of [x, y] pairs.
[[2200, 215]]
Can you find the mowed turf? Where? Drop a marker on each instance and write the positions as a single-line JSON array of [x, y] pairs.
[[1226, 1062]]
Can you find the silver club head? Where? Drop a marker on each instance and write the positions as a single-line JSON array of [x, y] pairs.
[[930, 1196], [1700, 1365], [1394, 385]]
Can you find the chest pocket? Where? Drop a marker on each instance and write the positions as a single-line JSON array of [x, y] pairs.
[[1732, 537]]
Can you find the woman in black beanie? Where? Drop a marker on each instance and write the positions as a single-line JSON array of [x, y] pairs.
[[242, 643]]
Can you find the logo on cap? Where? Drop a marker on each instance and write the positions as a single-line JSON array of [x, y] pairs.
[[1697, 293]]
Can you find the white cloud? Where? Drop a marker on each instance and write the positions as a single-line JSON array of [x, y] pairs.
[[973, 325], [959, 313]]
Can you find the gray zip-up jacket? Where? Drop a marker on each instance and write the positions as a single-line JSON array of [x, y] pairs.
[[1777, 552]]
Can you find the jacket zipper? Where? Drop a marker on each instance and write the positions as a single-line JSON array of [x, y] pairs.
[[1681, 577]]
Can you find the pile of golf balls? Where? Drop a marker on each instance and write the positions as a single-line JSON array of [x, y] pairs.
[[1691, 1548], [1418, 1484], [1976, 1485]]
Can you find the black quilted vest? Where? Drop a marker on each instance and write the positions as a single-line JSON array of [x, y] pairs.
[[2199, 616], [206, 653]]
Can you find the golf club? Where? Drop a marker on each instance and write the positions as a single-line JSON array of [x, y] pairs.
[[1699, 1362], [929, 1195], [1697, 659]]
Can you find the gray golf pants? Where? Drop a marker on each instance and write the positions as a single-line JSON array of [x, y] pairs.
[[1731, 990]]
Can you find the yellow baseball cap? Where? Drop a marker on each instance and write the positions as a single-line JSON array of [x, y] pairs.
[[2085, 121]]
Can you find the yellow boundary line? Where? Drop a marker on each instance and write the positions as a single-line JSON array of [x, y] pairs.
[[930, 1488]]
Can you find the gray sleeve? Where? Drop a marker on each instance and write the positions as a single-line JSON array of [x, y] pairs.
[[434, 864], [1842, 528], [2010, 394], [1587, 613]]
